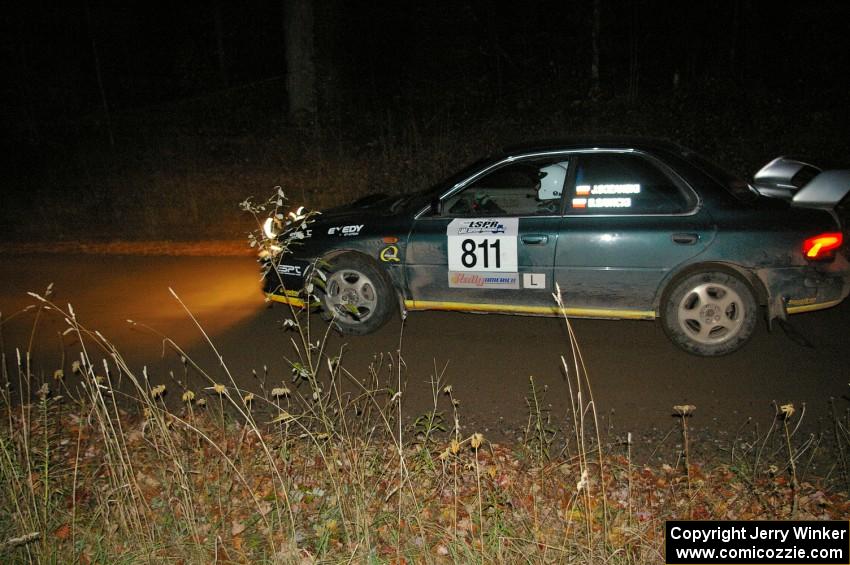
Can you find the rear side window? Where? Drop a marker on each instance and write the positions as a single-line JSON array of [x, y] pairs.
[[624, 184]]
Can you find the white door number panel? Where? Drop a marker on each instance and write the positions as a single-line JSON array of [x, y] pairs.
[[483, 244]]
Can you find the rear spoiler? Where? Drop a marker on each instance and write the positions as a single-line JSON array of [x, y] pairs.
[[824, 191], [802, 183]]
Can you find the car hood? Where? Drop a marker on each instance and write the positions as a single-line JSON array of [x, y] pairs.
[[369, 212], [378, 203]]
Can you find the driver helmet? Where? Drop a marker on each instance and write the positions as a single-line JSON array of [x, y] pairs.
[[552, 181]]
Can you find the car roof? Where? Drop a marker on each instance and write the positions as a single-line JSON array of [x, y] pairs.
[[652, 145]]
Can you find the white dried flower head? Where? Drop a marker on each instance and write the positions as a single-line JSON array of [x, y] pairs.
[[279, 391], [582, 483], [157, 391], [282, 417], [476, 440], [75, 367], [58, 374], [787, 410], [684, 409], [188, 396]]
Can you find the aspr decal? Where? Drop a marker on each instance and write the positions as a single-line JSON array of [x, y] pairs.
[[469, 227]]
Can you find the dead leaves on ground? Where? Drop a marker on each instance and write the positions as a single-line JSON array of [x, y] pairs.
[[346, 495]]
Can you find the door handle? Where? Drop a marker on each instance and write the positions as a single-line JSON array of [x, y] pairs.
[[535, 239], [685, 238]]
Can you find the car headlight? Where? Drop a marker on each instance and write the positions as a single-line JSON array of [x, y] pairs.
[[297, 215], [271, 228]]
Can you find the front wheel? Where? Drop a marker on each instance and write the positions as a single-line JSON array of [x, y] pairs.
[[710, 313], [357, 299]]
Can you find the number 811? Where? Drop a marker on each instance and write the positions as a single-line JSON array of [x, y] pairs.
[[470, 249]]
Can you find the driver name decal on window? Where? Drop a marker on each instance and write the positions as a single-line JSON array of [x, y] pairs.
[[587, 195], [485, 246], [586, 189]]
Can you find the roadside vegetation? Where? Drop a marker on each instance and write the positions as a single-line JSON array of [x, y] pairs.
[[100, 463]]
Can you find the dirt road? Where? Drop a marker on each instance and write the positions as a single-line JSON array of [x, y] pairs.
[[636, 374]]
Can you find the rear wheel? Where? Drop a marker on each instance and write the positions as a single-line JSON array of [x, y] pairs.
[[358, 299], [710, 313]]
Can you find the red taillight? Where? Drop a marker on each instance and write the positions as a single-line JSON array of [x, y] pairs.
[[821, 246]]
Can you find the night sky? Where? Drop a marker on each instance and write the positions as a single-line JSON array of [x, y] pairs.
[[381, 54]]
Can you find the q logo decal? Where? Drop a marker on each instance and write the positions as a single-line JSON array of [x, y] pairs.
[[389, 254]]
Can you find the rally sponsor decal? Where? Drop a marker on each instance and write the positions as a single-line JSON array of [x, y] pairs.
[[389, 254], [483, 245], [346, 231], [294, 270], [483, 280]]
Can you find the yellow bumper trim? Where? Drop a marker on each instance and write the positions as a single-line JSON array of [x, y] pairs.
[[812, 307], [539, 310], [291, 298]]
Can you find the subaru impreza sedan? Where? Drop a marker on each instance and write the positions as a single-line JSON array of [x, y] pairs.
[[620, 229]]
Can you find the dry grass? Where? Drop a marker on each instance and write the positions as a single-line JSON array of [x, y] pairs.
[[313, 471]]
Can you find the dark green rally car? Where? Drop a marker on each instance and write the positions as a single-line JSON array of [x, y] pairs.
[[625, 229]]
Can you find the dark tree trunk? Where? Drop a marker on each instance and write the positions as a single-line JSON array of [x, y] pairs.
[[218, 18], [24, 82], [595, 87], [634, 51], [96, 56], [300, 60]]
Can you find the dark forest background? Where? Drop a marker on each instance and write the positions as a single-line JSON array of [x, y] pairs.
[[140, 119]]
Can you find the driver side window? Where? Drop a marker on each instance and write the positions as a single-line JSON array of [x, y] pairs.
[[527, 188]]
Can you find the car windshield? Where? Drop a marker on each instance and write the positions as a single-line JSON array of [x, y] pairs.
[[420, 198]]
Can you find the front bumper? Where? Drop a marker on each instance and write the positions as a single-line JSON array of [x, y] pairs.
[[286, 281], [290, 297]]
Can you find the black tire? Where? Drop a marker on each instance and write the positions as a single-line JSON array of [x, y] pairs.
[[358, 298], [710, 313]]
